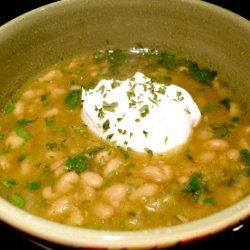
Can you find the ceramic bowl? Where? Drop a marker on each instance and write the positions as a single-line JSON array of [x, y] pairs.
[[208, 34]]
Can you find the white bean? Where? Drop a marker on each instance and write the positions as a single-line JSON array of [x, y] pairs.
[[57, 92], [75, 217], [14, 141], [217, 145], [19, 109], [111, 166], [4, 163], [66, 182], [156, 174], [25, 167], [52, 75], [103, 211], [92, 179], [115, 194], [146, 190], [102, 157], [47, 193], [60, 207], [233, 154], [206, 157], [51, 112], [234, 109]]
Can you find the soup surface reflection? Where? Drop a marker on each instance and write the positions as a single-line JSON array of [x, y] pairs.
[[53, 166]]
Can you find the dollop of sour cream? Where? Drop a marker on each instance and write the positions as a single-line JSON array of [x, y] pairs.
[[140, 114]]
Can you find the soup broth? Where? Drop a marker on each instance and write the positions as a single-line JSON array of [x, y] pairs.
[[53, 166]]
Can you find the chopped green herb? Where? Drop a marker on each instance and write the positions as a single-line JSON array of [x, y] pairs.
[[110, 136], [33, 185], [17, 200], [179, 96], [119, 119], [52, 146], [209, 200], [49, 122], [167, 60], [221, 130], [115, 84], [129, 165], [9, 183], [145, 133], [112, 173], [196, 186], [149, 152], [209, 107], [187, 110], [24, 122], [144, 110], [246, 156], [99, 57], [109, 106], [43, 97], [22, 133], [166, 139], [77, 163], [100, 113], [1, 135], [21, 157], [226, 103], [188, 155], [9, 109], [204, 75], [73, 98], [125, 153], [106, 125], [117, 57], [235, 119], [137, 120]]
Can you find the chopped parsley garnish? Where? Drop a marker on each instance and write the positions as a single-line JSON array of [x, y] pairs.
[[196, 186], [22, 133], [117, 57], [226, 103], [17, 200], [21, 157], [52, 146], [187, 110], [246, 156], [49, 122], [109, 106], [24, 121], [137, 120], [145, 133], [166, 139], [1, 135], [179, 96], [43, 97], [9, 183], [167, 60], [99, 57], [106, 125], [209, 107], [144, 110], [77, 163], [73, 98], [33, 185], [110, 136], [188, 155], [149, 152], [9, 109], [221, 130], [209, 200], [235, 119]]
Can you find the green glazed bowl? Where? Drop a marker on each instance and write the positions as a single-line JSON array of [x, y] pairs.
[[208, 34]]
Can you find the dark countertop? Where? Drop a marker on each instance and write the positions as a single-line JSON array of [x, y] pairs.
[[236, 238]]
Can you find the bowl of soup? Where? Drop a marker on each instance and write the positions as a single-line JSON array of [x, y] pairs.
[[124, 124]]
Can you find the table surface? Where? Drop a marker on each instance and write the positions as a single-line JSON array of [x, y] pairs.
[[235, 238]]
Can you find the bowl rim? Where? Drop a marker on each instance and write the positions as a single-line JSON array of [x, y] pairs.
[[167, 236]]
